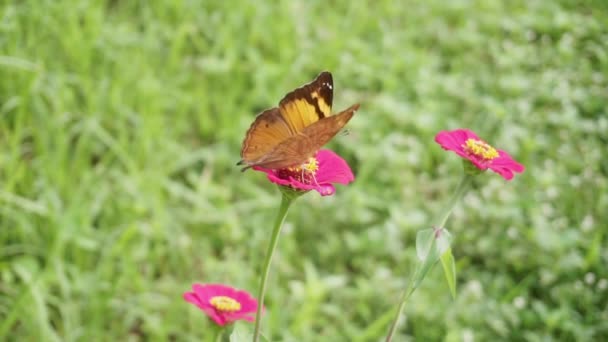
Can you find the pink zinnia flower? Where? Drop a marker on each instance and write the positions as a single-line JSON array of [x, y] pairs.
[[466, 144], [223, 304], [319, 173]]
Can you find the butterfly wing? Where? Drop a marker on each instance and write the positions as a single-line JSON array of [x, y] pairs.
[[297, 149], [267, 131], [309, 103], [297, 110]]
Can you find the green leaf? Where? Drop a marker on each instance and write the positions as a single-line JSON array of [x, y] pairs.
[[449, 269], [444, 243], [425, 246], [444, 240], [421, 270], [427, 252], [241, 333], [431, 245]]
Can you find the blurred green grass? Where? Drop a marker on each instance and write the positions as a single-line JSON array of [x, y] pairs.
[[121, 122]]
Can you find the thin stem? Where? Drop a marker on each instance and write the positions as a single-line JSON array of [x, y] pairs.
[[463, 186], [404, 296], [285, 203], [465, 182]]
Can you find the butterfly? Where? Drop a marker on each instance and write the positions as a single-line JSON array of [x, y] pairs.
[[288, 135]]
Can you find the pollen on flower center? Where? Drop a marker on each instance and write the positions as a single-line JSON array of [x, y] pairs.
[[304, 173], [312, 165], [226, 304], [480, 149]]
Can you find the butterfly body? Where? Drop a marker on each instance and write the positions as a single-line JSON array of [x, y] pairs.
[[288, 135]]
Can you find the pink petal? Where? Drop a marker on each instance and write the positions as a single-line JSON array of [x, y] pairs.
[[225, 291], [333, 169], [203, 291], [323, 189], [505, 160], [191, 297], [451, 140], [215, 316], [248, 316], [272, 176], [468, 133], [505, 166], [248, 303], [479, 163]]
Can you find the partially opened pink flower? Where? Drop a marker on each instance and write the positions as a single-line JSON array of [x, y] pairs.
[[466, 144], [223, 304], [319, 173]]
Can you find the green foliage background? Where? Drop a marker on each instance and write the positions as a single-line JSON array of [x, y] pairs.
[[121, 121]]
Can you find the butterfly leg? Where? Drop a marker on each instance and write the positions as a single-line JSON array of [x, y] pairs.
[[314, 178]]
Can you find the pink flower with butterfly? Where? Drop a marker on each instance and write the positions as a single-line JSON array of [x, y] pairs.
[[285, 143], [320, 173]]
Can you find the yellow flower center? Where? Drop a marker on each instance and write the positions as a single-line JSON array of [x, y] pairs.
[[480, 149], [311, 166], [304, 173], [226, 304]]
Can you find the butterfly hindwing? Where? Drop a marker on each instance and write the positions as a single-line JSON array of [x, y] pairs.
[[322, 131]]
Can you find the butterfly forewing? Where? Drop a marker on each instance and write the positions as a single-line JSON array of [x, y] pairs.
[[267, 131], [309, 103]]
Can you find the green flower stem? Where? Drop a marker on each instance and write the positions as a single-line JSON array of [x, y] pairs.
[[286, 201], [219, 335], [404, 296], [464, 185], [462, 188]]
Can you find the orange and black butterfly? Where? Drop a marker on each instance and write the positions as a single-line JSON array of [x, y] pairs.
[[290, 134]]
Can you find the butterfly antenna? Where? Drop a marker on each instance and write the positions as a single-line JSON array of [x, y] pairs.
[[345, 132], [241, 162]]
